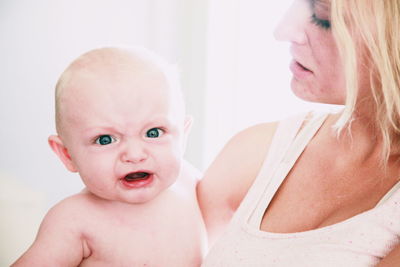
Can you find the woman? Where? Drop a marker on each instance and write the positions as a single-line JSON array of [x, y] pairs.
[[318, 189]]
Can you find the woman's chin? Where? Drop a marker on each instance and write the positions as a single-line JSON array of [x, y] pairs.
[[314, 94]]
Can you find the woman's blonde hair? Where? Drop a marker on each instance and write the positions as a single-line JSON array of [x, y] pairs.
[[371, 29]]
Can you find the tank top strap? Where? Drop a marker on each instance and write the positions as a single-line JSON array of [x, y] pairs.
[[291, 149], [283, 136], [392, 194]]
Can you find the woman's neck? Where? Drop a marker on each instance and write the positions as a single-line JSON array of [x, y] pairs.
[[363, 135]]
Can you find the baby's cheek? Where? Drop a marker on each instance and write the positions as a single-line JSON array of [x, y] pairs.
[[171, 161], [95, 166], [170, 150]]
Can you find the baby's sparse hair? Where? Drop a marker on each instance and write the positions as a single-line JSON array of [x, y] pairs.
[[139, 60]]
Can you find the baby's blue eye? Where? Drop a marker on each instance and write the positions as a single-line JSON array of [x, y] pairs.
[[154, 133], [105, 140]]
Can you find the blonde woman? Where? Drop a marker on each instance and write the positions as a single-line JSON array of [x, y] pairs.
[[318, 189]]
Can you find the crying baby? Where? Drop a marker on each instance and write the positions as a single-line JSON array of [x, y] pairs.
[[121, 124]]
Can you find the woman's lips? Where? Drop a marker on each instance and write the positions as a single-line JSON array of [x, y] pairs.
[[137, 179], [299, 71]]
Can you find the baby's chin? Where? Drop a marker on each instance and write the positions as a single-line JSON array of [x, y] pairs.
[[128, 194]]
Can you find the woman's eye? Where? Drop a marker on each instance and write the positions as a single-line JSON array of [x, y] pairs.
[[154, 133], [325, 24], [105, 140]]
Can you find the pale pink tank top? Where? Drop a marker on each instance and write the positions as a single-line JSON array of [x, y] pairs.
[[361, 240]]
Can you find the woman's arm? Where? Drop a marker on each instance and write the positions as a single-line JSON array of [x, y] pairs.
[[229, 177], [392, 259]]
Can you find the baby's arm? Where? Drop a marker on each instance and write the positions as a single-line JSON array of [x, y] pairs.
[[58, 242]]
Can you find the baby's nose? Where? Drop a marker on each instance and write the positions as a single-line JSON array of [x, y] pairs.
[[134, 152]]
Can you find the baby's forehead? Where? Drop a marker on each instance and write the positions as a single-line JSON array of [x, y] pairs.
[[114, 60], [118, 68], [118, 64]]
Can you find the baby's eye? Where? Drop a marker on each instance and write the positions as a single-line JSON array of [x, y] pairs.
[[154, 133], [105, 140]]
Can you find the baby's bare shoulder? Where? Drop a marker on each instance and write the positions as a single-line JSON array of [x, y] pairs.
[[188, 178], [59, 242], [75, 203], [74, 210], [68, 206]]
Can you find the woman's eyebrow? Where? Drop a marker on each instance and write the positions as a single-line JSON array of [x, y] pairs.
[[320, 6], [323, 4]]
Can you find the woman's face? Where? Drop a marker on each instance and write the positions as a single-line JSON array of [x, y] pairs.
[[318, 75]]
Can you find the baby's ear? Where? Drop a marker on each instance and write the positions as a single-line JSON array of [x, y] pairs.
[[61, 151]]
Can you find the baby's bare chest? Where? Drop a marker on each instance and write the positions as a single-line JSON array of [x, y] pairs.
[[170, 234]]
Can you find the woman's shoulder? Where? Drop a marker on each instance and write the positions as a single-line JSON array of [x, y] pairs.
[[259, 133], [241, 159], [232, 173]]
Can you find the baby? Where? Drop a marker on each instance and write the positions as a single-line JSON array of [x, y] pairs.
[[121, 125]]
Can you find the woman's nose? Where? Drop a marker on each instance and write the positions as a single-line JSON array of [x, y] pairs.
[[291, 28], [134, 152]]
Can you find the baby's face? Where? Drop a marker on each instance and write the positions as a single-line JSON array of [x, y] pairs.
[[125, 134]]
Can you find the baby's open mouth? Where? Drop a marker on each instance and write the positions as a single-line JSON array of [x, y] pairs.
[[138, 179], [136, 176]]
